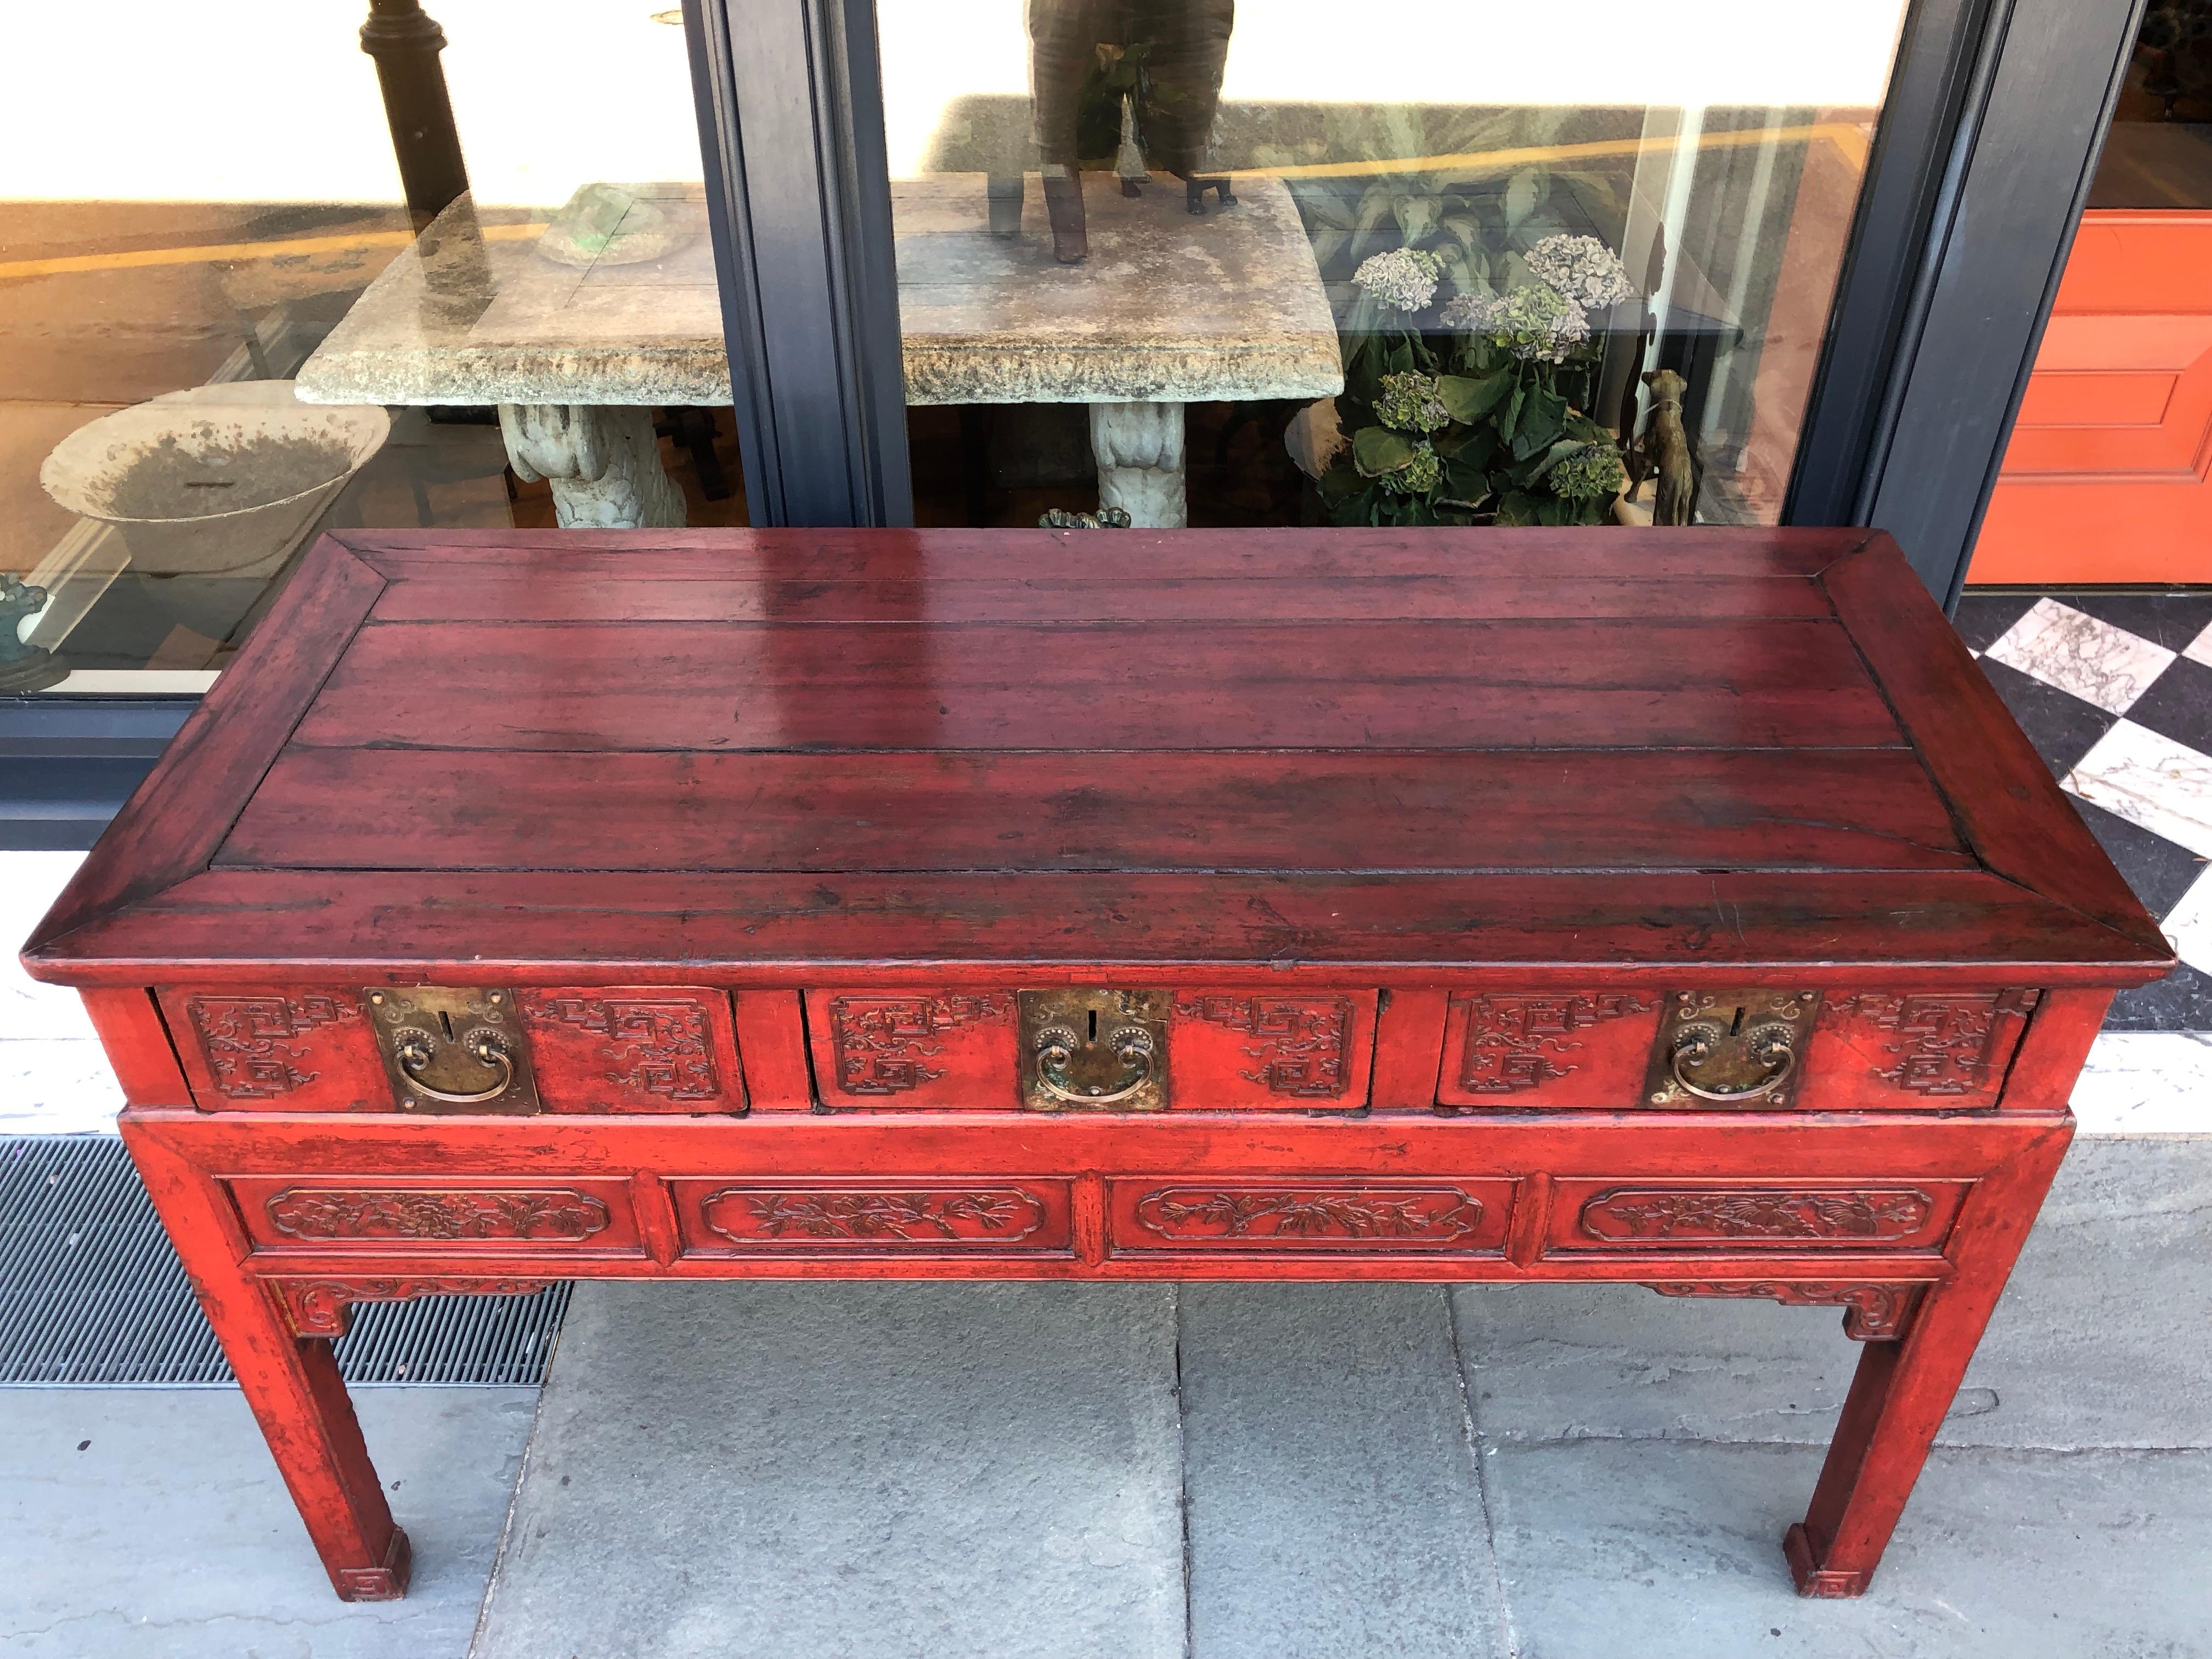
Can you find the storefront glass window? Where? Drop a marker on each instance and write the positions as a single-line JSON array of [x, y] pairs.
[[222, 325], [1457, 261], [2159, 151]]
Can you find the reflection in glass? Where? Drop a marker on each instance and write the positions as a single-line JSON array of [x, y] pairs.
[[220, 331], [1283, 265], [2158, 153]]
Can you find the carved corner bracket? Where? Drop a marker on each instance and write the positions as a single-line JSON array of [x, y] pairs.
[[323, 1306], [1872, 1313]]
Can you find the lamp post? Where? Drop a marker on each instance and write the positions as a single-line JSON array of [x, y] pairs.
[[405, 43]]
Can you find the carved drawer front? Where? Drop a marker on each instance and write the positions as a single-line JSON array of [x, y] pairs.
[[623, 1049], [1516, 1048], [831, 1216], [1804, 1050], [1919, 1050], [278, 1048], [1226, 1050], [1292, 1215], [518, 1215], [602, 1049], [1871, 1216]]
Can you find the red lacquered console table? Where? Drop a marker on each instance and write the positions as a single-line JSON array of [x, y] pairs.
[[1677, 907]]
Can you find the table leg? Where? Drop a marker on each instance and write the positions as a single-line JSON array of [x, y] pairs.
[[292, 1384], [602, 460], [1139, 451], [1902, 1389]]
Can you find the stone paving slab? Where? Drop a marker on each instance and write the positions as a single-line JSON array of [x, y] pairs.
[[1336, 1507], [2104, 1337], [831, 1469], [169, 1536], [1672, 1550]]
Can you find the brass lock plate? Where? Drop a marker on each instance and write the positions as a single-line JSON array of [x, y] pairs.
[[1093, 1050], [450, 1049], [1730, 1049]]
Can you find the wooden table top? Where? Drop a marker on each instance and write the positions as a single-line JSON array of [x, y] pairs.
[[1694, 753], [1168, 306]]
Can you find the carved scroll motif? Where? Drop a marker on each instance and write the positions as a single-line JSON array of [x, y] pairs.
[[322, 1307], [1642, 1213], [1299, 1041], [1202, 1215], [247, 1039], [1515, 1042], [883, 1042], [657, 1045], [1872, 1313], [995, 1215], [1945, 1043], [415, 1213]]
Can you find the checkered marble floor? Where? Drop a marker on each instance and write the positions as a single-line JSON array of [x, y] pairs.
[[2116, 691]]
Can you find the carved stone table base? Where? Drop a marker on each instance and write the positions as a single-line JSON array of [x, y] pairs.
[[1139, 451], [602, 460]]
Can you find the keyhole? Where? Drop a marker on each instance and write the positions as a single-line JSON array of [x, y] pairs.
[[1735, 1026], [1094, 1025], [445, 1024]]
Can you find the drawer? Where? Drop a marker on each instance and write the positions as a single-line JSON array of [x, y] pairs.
[[599, 1048], [1290, 1216], [1861, 1050], [835, 1215], [582, 1215], [1739, 1217], [1234, 1050]]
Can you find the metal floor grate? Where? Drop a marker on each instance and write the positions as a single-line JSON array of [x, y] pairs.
[[90, 1293]]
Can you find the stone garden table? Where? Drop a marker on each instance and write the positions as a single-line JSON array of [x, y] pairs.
[[1170, 308]]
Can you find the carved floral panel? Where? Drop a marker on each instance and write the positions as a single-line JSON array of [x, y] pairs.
[[1703, 1216], [424, 1215], [865, 1218], [1353, 1217]]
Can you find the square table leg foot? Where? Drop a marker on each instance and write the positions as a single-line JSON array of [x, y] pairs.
[[1814, 1582], [387, 1583]]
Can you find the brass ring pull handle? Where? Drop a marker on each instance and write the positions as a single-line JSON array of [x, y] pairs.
[[1771, 1048], [1055, 1052], [413, 1052]]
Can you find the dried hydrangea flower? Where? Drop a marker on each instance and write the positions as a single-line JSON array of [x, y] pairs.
[[1581, 268], [1418, 477], [1409, 403], [1591, 472], [1535, 322], [1404, 279]]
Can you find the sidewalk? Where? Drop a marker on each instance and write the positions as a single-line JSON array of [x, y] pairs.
[[1124, 1472]]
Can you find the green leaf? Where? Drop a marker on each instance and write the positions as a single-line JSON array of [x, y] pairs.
[[1397, 356], [1520, 197], [1470, 399], [1561, 447], [1541, 417], [1514, 507], [1511, 418], [1417, 216], [1376, 450], [1464, 228]]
